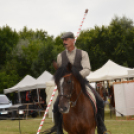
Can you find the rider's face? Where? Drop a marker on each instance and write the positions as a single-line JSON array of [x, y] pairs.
[[68, 42]]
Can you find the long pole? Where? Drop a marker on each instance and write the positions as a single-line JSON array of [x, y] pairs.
[[79, 29], [49, 104], [54, 91]]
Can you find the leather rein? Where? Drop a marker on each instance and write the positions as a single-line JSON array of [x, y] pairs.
[[72, 103]]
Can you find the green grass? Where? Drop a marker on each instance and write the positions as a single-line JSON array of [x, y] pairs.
[[30, 126]]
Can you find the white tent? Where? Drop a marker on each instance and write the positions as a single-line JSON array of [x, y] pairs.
[[40, 82], [50, 85], [23, 84], [109, 71], [28, 83], [124, 98], [131, 73], [42, 79]]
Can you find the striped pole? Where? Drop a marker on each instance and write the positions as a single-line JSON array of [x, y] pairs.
[[86, 11], [54, 91], [49, 104]]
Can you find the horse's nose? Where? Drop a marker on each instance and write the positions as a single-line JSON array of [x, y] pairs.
[[63, 109]]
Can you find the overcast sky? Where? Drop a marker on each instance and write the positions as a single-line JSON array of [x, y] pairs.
[[57, 16]]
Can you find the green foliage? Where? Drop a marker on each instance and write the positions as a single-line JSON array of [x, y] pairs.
[[32, 52], [20, 60], [7, 80], [113, 42], [124, 22], [47, 54], [114, 125], [8, 39], [32, 35]]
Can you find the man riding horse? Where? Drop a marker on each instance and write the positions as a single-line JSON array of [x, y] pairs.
[[80, 60]]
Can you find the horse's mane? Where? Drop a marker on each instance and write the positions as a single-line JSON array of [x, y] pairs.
[[63, 71]]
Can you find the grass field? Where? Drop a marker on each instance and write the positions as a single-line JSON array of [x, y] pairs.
[[30, 126]]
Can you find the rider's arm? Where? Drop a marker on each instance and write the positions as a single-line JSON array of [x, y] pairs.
[[59, 60], [85, 64]]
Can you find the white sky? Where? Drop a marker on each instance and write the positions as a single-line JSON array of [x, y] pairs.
[[57, 16]]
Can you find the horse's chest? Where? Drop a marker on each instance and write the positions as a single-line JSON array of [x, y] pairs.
[[73, 123]]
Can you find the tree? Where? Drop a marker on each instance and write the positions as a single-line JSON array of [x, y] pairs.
[[46, 55], [32, 52], [115, 42], [8, 39], [124, 22], [20, 60], [7, 80]]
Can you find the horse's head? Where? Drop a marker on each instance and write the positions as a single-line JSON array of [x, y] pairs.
[[67, 79], [65, 83]]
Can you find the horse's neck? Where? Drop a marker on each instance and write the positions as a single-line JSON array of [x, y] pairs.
[[78, 96], [77, 90]]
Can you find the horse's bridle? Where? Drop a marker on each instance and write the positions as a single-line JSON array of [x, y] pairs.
[[72, 103]]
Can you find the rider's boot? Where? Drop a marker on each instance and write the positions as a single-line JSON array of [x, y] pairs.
[[57, 128], [101, 128], [59, 125], [58, 118]]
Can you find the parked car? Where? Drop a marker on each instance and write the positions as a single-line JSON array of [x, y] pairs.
[[7, 109], [5, 103]]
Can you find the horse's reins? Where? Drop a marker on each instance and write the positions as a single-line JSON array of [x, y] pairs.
[[72, 103]]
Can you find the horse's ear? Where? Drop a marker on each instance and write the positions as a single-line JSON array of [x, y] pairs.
[[69, 66], [55, 65]]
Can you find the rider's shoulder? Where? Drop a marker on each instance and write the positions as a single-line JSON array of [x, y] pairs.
[[83, 52], [60, 54]]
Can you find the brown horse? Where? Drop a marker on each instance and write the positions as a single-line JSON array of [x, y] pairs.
[[74, 103]]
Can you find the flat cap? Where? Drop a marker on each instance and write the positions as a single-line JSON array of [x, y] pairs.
[[67, 35]]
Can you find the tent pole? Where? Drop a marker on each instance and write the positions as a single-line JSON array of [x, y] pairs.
[[38, 100], [19, 97], [38, 94]]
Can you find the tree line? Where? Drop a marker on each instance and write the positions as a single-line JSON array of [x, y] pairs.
[[32, 52]]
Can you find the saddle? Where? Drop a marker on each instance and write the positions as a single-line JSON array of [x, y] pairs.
[[93, 102], [91, 95]]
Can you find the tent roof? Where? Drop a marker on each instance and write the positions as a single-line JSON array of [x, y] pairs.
[[28, 83], [109, 71], [40, 82], [43, 78], [131, 72], [27, 80]]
